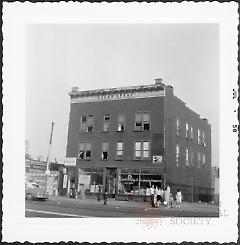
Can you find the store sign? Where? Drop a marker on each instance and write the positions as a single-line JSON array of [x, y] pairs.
[[65, 181], [70, 161], [157, 159], [112, 95]]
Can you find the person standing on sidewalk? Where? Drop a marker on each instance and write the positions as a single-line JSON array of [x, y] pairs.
[[105, 196], [158, 193], [178, 198], [166, 196], [99, 190], [152, 190]]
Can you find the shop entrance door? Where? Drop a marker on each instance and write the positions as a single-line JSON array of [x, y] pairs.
[[111, 176]]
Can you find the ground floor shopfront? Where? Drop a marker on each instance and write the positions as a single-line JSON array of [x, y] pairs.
[[117, 180], [127, 180]]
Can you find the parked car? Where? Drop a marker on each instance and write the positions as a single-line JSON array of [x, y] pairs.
[[33, 191]]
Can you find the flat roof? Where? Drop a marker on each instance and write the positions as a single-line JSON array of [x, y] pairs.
[[76, 93]]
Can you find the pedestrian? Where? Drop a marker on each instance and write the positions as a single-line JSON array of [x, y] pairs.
[[178, 198], [152, 190], [168, 188], [158, 193], [148, 194], [166, 197], [155, 196], [99, 192], [105, 196], [171, 200], [161, 195]]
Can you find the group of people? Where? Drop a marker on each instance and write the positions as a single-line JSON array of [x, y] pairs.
[[159, 197]]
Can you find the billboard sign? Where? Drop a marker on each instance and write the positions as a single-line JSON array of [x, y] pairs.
[[70, 161]]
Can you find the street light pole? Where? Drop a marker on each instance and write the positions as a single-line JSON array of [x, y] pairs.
[[47, 173]]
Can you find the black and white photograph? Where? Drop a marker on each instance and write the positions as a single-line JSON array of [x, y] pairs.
[[123, 123]]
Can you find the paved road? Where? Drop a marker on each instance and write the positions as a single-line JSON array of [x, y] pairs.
[[76, 209]]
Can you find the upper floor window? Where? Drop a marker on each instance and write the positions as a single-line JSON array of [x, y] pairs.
[[199, 136], [105, 151], [121, 123], [142, 150], [187, 131], [177, 155], [86, 123], [203, 139], [199, 159], [85, 150], [142, 121], [192, 157], [187, 157], [178, 126], [119, 149], [192, 133], [203, 159], [106, 122]]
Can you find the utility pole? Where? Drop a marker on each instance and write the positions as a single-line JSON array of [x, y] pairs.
[[47, 173]]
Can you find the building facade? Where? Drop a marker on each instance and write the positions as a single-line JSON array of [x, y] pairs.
[[127, 139]]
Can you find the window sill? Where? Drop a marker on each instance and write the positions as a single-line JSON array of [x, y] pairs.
[[141, 130], [119, 160], [142, 159], [120, 131]]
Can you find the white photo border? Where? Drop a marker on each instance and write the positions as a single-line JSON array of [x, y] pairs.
[[18, 228]]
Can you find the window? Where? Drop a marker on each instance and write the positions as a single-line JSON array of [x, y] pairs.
[[105, 151], [192, 133], [199, 159], [106, 122], [121, 123], [199, 136], [146, 149], [177, 155], [203, 159], [178, 126], [203, 139], [142, 150], [86, 123], [187, 131], [138, 149], [88, 150], [192, 157], [119, 149], [85, 150], [142, 121], [187, 157], [90, 122]]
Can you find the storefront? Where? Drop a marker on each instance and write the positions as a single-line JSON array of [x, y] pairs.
[[119, 181]]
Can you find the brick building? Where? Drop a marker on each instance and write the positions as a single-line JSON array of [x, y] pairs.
[[129, 138]]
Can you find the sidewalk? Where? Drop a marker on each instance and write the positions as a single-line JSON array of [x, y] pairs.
[[186, 206]]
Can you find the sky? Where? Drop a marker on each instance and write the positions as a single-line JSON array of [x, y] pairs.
[[94, 56]]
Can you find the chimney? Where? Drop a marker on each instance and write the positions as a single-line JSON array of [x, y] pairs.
[[74, 89], [158, 81]]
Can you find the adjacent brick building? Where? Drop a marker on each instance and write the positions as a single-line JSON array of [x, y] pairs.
[[129, 138]]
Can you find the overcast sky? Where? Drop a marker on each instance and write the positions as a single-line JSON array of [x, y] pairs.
[[92, 56]]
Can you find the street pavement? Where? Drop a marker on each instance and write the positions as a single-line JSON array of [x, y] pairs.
[[64, 207]]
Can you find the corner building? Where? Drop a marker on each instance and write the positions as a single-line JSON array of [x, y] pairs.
[[130, 138]]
